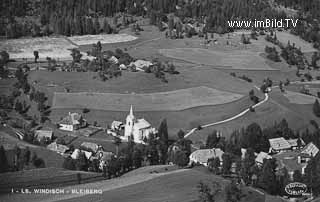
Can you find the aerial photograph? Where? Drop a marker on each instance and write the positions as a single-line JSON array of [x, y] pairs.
[[159, 100]]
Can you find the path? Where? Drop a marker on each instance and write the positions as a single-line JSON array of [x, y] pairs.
[[231, 118]]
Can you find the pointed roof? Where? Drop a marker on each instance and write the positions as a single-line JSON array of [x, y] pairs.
[[131, 111]]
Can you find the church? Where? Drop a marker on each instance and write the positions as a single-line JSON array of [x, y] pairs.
[[138, 129]]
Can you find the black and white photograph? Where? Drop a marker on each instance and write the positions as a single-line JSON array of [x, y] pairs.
[[159, 100]]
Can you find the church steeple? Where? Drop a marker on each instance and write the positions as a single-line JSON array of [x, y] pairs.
[[131, 111]]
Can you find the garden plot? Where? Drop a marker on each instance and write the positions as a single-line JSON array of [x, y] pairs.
[[299, 98], [162, 101], [103, 38], [237, 59]]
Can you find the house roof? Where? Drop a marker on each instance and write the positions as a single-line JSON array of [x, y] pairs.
[[142, 124], [261, 156], [90, 146], [289, 160], [279, 143], [43, 134], [58, 147], [293, 142], [116, 123], [310, 149], [71, 119], [202, 155], [87, 154]]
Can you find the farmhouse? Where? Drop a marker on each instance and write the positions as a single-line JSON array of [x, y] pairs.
[[202, 156], [72, 122], [138, 129], [311, 149], [296, 143], [292, 161], [90, 147], [278, 145], [59, 148], [43, 135]]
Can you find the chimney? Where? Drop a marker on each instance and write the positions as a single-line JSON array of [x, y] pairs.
[[299, 159]]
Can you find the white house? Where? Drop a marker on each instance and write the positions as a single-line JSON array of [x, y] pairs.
[[138, 129], [72, 122]]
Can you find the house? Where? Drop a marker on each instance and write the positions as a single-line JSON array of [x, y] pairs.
[[138, 129], [72, 122], [294, 143], [278, 145], [91, 147], [292, 161], [59, 148], [202, 156], [311, 149], [260, 158], [75, 154], [43, 135], [117, 125]]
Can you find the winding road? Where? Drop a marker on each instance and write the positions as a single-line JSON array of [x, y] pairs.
[[266, 97]]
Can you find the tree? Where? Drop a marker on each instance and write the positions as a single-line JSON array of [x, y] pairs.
[[267, 179], [180, 158], [27, 156], [212, 140], [208, 192], [214, 165], [297, 176], [316, 108], [76, 55], [180, 134], [226, 165], [163, 132], [4, 57], [312, 175], [82, 162], [106, 27], [247, 163], [69, 164], [4, 167], [233, 192], [117, 142]]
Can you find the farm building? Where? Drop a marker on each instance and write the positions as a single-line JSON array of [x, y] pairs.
[[139, 129], [90, 147], [292, 160], [295, 143], [117, 125], [72, 122], [47, 135], [278, 145], [260, 158], [311, 149], [59, 148], [202, 156]]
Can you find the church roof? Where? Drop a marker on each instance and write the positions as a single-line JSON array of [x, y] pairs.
[[141, 124]]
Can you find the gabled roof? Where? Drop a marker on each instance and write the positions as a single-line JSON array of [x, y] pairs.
[[90, 146], [58, 147], [261, 156], [71, 119], [141, 124], [310, 149], [293, 142], [202, 155], [43, 134], [279, 143]]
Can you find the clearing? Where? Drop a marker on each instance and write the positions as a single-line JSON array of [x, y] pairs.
[[236, 59], [305, 46], [103, 38], [163, 101], [299, 98]]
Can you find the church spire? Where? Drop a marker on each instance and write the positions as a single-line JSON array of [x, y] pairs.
[[131, 111]]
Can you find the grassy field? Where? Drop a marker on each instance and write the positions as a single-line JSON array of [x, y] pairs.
[[305, 46], [171, 185], [299, 98], [103, 38], [163, 101], [43, 178], [237, 59]]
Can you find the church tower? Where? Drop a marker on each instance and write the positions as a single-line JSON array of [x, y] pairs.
[[128, 130]]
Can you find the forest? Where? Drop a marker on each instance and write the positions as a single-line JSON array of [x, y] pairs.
[[43, 17]]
